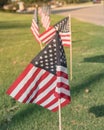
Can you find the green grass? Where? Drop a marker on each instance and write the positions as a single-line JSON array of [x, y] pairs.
[[18, 47]]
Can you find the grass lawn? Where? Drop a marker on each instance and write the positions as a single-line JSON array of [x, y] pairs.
[[18, 47]]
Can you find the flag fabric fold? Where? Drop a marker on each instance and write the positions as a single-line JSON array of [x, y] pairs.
[[47, 36], [45, 16], [45, 79], [64, 31], [35, 26], [63, 28]]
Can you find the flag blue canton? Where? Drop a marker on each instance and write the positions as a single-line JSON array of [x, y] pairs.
[[63, 25], [53, 54]]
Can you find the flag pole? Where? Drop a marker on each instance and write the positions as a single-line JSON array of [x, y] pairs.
[[41, 45], [60, 126], [70, 48]]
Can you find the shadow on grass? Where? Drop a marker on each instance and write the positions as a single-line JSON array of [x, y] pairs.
[[32, 110], [86, 84], [21, 116], [98, 111], [97, 59]]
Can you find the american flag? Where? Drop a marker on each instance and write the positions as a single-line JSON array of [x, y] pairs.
[[63, 28], [40, 11], [47, 36], [35, 27], [45, 16], [45, 79]]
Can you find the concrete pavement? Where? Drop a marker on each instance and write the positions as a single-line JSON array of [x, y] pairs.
[[93, 13]]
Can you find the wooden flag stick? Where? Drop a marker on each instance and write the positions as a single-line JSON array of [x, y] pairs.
[[60, 126], [41, 45], [71, 62], [70, 48]]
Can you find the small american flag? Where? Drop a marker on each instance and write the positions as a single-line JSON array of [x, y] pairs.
[[40, 11], [35, 27], [45, 79], [45, 16], [63, 28]]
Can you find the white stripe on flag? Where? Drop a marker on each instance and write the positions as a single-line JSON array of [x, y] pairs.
[[36, 35], [62, 90], [47, 35], [44, 93], [31, 86], [35, 30], [42, 84], [56, 104], [23, 82], [62, 69], [51, 98]]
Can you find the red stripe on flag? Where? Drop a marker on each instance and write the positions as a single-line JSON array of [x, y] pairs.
[[46, 22], [18, 80], [61, 84], [27, 84], [35, 30], [62, 74], [51, 103], [34, 24], [35, 36], [42, 89], [62, 95], [67, 45], [33, 89], [67, 101], [47, 35], [46, 97]]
